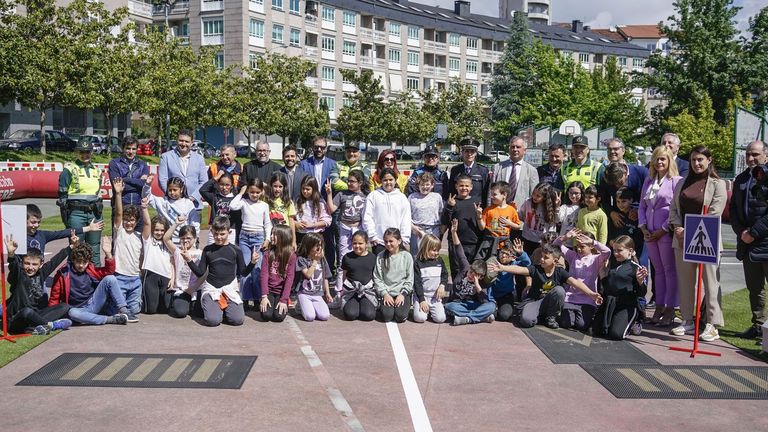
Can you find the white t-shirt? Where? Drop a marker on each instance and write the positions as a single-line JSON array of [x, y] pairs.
[[186, 281], [157, 258], [127, 252]]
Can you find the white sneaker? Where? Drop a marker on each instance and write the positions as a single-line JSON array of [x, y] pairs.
[[709, 334], [686, 328]]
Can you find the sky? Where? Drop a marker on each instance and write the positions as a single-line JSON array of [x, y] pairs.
[[606, 13]]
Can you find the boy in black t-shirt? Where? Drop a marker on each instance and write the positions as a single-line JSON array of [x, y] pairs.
[[546, 296], [462, 207]]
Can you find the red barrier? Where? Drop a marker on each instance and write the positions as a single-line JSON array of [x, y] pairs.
[[45, 184]]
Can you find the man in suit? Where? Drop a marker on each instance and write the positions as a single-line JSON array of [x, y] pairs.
[[550, 171], [189, 166], [672, 142], [261, 167], [749, 215], [521, 176], [481, 178], [293, 173], [630, 175]]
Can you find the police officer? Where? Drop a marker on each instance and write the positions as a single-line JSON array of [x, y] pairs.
[[351, 162], [79, 199], [580, 167], [479, 174], [431, 161]]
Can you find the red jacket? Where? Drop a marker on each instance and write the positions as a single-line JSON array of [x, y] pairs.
[[60, 288]]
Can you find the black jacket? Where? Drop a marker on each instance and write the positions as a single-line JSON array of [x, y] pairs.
[[481, 181], [30, 291], [755, 220]]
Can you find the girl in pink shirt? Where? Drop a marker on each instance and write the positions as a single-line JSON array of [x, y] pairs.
[[278, 268]]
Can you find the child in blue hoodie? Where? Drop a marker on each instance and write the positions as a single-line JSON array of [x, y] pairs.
[[502, 287]]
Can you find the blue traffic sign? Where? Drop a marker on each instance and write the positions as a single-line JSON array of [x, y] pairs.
[[701, 240]]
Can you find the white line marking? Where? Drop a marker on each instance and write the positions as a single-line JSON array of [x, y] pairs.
[[419, 416], [325, 379]]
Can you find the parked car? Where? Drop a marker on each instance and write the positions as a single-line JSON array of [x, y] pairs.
[[28, 140], [484, 158], [449, 156], [403, 155], [243, 150], [146, 147], [207, 150], [498, 156], [100, 144]]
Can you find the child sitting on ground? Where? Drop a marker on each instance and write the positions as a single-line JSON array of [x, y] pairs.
[[128, 250], [37, 238], [185, 284], [429, 281], [546, 295], [27, 307], [315, 273], [470, 304], [221, 292], [360, 299], [393, 277], [88, 289], [502, 289], [278, 269]]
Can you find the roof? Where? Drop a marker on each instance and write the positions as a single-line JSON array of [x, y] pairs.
[[487, 27], [608, 34], [645, 31]]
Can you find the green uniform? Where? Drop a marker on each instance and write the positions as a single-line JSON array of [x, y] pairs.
[[79, 198], [344, 169], [588, 173]]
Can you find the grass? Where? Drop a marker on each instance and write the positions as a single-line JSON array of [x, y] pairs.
[[11, 351], [738, 318]]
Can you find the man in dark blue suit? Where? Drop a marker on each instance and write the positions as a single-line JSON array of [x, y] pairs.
[[672, 142], [749, 219], [293, 172]]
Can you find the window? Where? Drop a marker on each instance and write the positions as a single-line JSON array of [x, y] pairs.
[[253, 60], [277, 4], [277, 33], [412, 83], [475, 90], [394, 55], [295, 37], [216, 28], [257, 2], [256, 29], [471, 43], [413, 32], [453, 39], [345, 80], [394, 29], [623, 62], [328, 44], [348, 48], [346, 102], [471, 66], [328, 73], [454, 64], [329, 101], [329, 14], [294, 7], [584, 57], [219, 60], [637, 63], [350, 19], [413, 58], [183, 29]]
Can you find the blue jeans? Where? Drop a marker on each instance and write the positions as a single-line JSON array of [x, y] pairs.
[[249, 286], [471, 309], [107, 290], [130, 286]]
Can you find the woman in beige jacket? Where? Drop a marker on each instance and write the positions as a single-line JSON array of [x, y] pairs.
[[701, 188]]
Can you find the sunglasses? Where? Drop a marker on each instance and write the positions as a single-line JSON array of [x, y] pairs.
[[389, 159], [321, 147]]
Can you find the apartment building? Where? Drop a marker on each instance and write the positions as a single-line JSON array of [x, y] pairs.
[[538, 10]]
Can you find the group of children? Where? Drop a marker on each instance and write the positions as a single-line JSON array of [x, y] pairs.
[[264, 248]]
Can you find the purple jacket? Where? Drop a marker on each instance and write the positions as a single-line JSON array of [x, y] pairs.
[[655, 215]]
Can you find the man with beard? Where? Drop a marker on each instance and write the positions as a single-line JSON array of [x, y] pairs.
[[292, 172], [261, 167], [550, 171]]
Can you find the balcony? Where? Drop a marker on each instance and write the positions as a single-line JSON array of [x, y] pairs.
[[441, 71], [379, 35], [256, 7], [366, 32], [494, 55], [256, 41], [310, 20], [213, 40], [310, 82], [435, 46], [140, 9], [310, 51], [180, 7], [485, 76], [209, 5]]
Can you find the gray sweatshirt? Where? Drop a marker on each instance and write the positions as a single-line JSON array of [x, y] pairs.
[[395, 276]]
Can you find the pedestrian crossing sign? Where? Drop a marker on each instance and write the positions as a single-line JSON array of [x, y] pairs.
[[701, 239]]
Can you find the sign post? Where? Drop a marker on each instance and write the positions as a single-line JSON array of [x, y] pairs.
[[701, 245]]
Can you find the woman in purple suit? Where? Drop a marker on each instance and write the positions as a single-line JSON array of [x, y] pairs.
[[655, 199]]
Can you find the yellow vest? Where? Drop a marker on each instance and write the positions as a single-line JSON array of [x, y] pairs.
[[586, 173], [85, 184]]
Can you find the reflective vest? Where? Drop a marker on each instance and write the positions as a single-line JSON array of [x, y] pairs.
[[85, 183], [344, 169], [585, 173], [214, 167]]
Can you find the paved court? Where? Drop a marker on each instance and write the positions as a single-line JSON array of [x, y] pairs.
[[338, 375]]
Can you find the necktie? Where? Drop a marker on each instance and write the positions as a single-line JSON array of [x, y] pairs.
[[468, 169], [513, 183]]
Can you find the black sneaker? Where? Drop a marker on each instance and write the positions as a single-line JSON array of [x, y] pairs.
[[132, 318], [551, 322], [41, 330], [121, 319], [751, 333]]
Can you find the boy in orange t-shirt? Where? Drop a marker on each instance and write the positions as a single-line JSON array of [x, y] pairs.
[[499, 220]]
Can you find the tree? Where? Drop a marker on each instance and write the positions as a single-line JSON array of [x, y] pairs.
[[459, 108], [409, 123], [756, 49], [367, 118], [705, 59], [211, 90], [50, 51], [114, 77]]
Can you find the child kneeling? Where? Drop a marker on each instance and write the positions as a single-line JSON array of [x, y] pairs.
[[221, 294], [470, 303]]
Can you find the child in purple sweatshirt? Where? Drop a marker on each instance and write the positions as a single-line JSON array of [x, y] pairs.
[[278, 269], [584, 263]]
